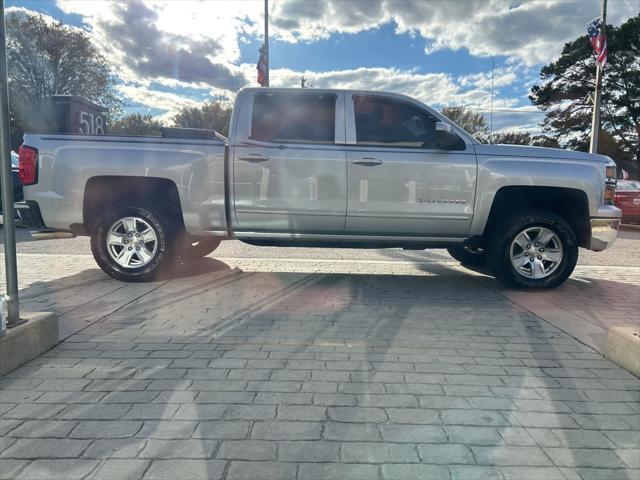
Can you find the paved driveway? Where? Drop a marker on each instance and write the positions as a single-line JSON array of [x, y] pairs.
[[316, 369]]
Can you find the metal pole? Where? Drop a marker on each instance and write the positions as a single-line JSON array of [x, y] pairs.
[[266, 40], [595, 121], [11, 269], [491, 114]]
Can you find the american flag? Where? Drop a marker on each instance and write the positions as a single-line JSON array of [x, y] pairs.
[[598, 41], [262, 66]]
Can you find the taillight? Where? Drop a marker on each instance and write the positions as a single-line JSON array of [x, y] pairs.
[[610, 184], [28, 165]]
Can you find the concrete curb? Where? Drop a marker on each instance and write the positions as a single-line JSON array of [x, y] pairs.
[[620, 344], [623, 348], [28, 341]]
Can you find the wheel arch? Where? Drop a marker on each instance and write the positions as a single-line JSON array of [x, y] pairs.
[[106, 191], [569, 203]]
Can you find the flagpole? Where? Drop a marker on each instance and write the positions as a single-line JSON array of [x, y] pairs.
[[595, 121], [491, 113], [266, 40], [11, 268]]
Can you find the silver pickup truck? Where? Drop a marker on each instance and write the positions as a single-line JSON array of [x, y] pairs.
[[322, 168]]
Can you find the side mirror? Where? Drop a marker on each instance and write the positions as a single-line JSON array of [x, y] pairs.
[[447, 138], [444, 127]]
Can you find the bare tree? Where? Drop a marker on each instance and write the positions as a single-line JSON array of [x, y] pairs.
[[472, 122], [45, 59], [211, 115], [136, 124]]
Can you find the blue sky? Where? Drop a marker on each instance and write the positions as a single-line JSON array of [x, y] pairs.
[[169, 53]]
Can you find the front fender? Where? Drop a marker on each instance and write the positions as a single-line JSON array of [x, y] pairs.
[[495, 173]]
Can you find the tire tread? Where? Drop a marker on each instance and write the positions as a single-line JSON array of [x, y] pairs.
[[500, 241]]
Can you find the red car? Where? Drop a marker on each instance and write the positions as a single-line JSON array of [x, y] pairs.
[[627, 199]]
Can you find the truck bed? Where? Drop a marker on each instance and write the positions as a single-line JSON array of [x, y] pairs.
[[69, 162]]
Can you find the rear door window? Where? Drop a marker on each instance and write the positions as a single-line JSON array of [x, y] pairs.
[[294, 118]]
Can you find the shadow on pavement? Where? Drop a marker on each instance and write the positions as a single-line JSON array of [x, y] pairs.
[[202, 266], [319, 370]]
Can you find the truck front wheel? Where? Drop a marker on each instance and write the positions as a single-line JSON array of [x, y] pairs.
[[533, 249], [133, 244]]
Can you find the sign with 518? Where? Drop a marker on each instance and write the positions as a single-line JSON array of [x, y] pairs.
[[78, 115], [90, 124]]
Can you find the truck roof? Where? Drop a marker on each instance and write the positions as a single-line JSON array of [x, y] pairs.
[[325, 90]]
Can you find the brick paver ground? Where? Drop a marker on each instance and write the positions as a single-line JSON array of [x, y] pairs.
[[309, 370]]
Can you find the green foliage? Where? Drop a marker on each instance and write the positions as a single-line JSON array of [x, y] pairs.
[[525, 138], [568, 82], [545, 141], [45, 59], [136, 124], [512, 138], [211, 115], [473, 123]]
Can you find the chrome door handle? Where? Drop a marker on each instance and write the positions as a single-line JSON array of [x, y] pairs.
[[367, 161], [254, 158]]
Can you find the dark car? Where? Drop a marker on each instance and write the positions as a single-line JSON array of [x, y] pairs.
[[627, 199], [17, 186]]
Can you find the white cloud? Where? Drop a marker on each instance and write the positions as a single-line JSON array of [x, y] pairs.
[[501, 77], [155, 99], [531, 32], [195, 44], [435, 89], [431, 88], [21, 13], [165, 41]]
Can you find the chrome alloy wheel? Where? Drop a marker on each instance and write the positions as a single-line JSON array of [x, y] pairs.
[[132, 242], [536, 252]]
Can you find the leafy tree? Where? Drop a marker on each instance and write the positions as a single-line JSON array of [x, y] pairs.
[[211, 115], [611, 146], [136, 124], [568, 82], [512, 138], [545, 141], [44, 59], [472, 122], [525, 138]]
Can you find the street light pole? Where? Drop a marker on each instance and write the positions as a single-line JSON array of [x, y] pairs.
[[8, 212], [266, 41], [595, 121]]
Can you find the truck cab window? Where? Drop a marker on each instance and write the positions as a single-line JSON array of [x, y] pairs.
[[386, 122], [294, 118]]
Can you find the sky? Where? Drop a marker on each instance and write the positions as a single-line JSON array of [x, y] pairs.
[[168, 54]]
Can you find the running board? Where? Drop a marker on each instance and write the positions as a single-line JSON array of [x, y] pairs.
[[52, 234]]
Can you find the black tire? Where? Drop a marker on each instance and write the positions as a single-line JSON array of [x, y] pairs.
[[502, 238], [163, 255], [195, 248], [468, 256]]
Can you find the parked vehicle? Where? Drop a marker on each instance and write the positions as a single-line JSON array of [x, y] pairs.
[[627, 199], [15, 180], [323, 168]]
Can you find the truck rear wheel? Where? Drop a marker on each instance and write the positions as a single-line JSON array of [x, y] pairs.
[[133, 244], [533, 249], [195, 248]]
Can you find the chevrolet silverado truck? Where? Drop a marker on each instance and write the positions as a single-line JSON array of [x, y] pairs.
[[321, 168]]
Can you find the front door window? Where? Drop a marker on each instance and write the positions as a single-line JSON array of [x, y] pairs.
[[388, 122]]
